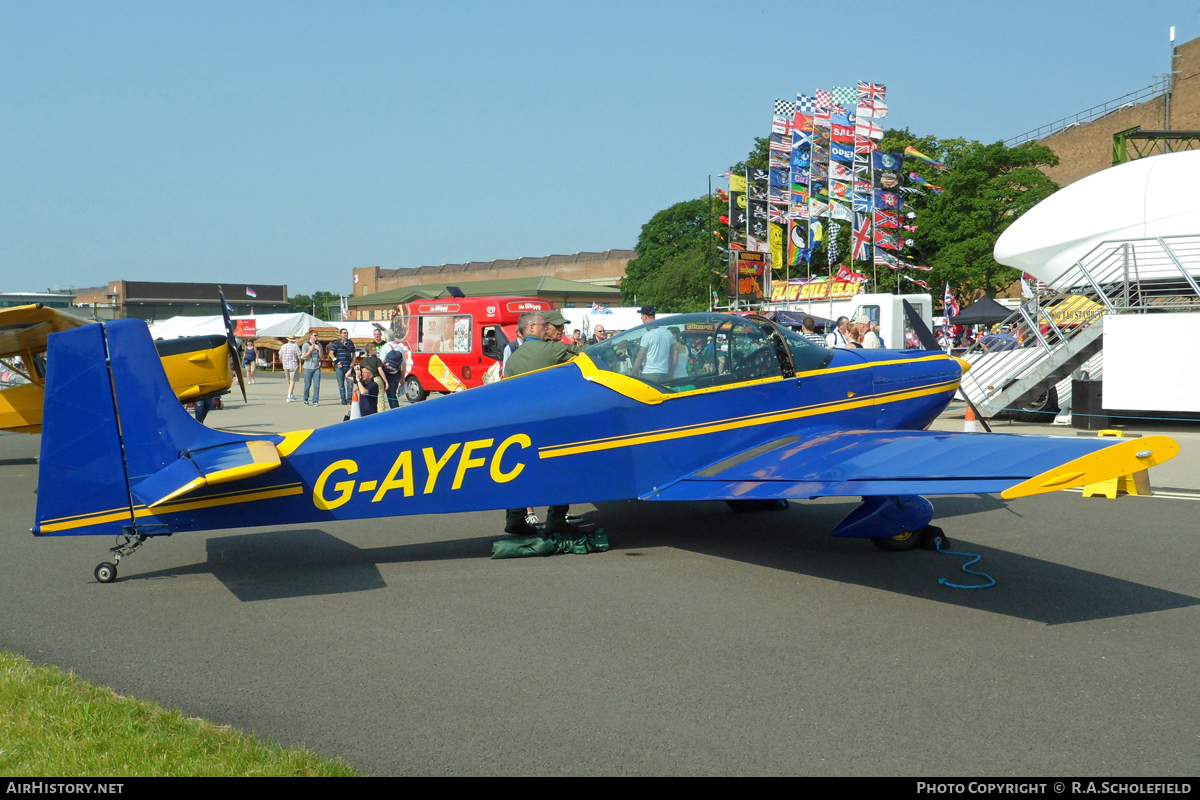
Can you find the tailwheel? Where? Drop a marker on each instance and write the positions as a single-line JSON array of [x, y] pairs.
[[106, 572], [925, 538]]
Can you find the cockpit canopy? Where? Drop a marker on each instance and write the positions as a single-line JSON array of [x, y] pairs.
[[696, 351]]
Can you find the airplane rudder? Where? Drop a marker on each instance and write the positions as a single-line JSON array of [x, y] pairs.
[[80, 469], [155, 427]]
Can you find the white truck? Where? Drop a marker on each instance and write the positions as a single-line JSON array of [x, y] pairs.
[[886, 310]]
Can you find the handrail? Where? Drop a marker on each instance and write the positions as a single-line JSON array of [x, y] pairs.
[[1143, 95]]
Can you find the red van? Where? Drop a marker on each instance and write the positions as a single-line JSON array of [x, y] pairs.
[[455, 341]]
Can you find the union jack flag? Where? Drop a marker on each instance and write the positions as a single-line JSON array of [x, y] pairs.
[[784, 108], [824, 100], [861, 244], [779, 214], [950, 303], [805, 104], [871, 91], [862, 144]]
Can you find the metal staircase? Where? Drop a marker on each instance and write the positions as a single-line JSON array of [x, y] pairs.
[[1053, 333]]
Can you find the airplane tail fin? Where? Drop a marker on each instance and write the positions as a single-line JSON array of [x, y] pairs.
[[115, 439]]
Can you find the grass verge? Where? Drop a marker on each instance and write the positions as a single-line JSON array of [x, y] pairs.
[[55, 724]]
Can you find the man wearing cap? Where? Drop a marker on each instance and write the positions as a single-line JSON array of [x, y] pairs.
[[540, 348], [655, 360], [538, 351], [869, 340]]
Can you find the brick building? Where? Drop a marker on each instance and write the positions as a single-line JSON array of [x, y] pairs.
[[159, 300], [602, 269], [1086, 147]]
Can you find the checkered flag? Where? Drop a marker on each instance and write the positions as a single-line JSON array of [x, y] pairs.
[[784, 108], [845, 94], [805, 105], [824, 100]]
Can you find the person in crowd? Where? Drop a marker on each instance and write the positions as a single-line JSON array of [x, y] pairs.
[[598, 334], [368, 390], [250, 360], [854, 336], [341, 352], [808, 329], [201, 407], [537, 351], [681, 355], [289, 355], [310, 357], [577, 336], [655, 361], [867, 336], [878, 335], [377, 340], [396, 358], [839, 337], [511, 346]]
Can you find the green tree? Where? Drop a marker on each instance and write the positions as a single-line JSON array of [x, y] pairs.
[[304, 302], [990, 186], [671, 269], [986, 188]]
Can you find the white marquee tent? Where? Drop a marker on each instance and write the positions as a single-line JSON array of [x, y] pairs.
[[290, 324]]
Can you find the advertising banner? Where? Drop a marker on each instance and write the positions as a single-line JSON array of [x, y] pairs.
[[746, 274]]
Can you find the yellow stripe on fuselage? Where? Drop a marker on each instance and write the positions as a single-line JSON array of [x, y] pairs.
[[225, 499]]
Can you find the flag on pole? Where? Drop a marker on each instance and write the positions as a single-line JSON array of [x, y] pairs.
[[250, 292], [919, 156], [871, 91], [861, 238], [950, 303], [844, 95]]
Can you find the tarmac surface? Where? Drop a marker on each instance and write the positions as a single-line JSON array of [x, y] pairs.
[[704, 642]]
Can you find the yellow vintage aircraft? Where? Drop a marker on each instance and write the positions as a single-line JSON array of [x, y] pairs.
[[197, 367]]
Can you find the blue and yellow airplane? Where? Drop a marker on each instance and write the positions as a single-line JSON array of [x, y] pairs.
[[747, 413]]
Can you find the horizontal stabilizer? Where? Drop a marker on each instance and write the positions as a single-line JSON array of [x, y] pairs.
[[867, 463], [198, 468]]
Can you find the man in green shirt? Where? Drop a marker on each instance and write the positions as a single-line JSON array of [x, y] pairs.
[[538, 352]]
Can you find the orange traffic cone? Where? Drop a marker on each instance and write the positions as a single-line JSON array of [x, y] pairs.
[[355, 411], [969, 425]]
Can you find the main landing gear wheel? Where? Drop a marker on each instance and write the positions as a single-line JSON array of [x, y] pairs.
[[413, 390], [925, 538], [106, 572]]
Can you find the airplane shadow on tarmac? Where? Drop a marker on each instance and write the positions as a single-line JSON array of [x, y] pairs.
[[301, 563], [798, 540], [305, 562]]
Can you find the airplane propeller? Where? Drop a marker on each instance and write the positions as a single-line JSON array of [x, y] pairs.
[[232, 340]]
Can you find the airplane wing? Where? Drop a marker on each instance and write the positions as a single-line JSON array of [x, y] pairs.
[[24, 329], [870, 463]]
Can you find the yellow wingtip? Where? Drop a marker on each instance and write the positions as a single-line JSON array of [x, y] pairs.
[[1125, 458]]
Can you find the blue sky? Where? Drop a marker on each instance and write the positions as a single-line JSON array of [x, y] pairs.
[[290, 142]]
